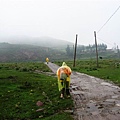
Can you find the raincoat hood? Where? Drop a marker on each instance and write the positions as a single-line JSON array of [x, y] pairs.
[[64, 64]]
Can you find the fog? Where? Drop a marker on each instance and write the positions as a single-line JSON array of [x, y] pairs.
[[61, 19]]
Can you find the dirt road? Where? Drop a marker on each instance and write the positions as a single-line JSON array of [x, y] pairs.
[[94, 99]]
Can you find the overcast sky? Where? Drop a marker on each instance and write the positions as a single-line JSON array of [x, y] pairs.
[[62, 19]]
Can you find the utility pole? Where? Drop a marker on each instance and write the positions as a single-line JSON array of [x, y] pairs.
[[96, 49], [75, 51]]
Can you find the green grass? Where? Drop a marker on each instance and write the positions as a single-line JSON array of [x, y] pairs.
[[21, 88], [23, 84]]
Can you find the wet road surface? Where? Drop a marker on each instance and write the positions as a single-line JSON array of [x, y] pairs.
[[94, 99]]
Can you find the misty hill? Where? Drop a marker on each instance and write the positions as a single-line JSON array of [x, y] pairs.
[[22, 52], [38, 41]]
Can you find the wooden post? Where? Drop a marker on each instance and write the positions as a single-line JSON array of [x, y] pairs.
[[96, 49], [75, 51]]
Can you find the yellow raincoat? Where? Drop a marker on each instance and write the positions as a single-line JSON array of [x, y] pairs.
[[47, 60], [63, 69]]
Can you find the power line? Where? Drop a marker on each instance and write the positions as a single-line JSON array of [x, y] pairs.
[[108, 19], [104, 41]]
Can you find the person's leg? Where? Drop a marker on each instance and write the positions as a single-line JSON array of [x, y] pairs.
[[62, 91], [63, 78], [67, 88]]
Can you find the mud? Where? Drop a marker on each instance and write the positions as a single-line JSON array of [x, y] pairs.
[[94, 99]]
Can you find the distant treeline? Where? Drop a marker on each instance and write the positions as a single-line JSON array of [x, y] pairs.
[[86, 49]]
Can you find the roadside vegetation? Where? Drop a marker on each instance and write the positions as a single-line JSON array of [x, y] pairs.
[[28, 91]]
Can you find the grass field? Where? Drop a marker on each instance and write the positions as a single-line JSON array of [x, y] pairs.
[[22, 85]]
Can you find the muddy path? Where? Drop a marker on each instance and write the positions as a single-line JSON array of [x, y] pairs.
[[94, 99]]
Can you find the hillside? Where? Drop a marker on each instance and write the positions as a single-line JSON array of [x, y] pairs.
[[22, 52], [20, 49]]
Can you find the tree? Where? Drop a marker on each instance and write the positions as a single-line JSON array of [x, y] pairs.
[[68, 50]]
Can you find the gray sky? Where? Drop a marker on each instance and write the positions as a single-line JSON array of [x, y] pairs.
[[62, 19]]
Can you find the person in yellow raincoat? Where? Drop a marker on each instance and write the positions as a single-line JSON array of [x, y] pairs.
[[63, 74], [47, 60]]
